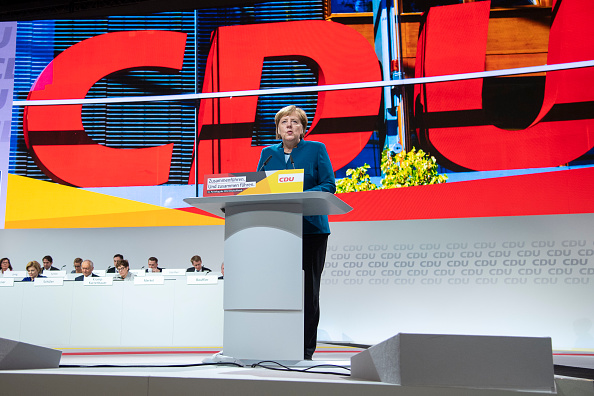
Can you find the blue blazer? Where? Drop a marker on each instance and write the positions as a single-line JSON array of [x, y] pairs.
[[313, 158], [28, 278]]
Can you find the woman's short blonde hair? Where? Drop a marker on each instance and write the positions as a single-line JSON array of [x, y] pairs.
[[285, 111], [33, 264]]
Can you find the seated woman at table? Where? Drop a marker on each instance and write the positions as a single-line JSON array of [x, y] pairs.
[[124, 273], [5, 265], [34, 270]]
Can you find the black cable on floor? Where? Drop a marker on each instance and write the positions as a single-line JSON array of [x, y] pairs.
[[306, 370], [347, 344]]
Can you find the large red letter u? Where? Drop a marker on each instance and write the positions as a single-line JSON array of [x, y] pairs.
[[447, 46]]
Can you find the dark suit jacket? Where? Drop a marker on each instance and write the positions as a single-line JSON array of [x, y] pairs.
[[82, 277], [204, 269], [159, 268], [52, 268], [111, 270]]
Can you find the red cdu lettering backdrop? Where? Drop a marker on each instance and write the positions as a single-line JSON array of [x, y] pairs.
[[344, 120], [449, 117]]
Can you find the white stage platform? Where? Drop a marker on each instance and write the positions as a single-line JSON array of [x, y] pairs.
[[178, 371]]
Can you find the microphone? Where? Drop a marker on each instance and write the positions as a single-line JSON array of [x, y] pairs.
[[292, 163], [265, 162], [62, 267]]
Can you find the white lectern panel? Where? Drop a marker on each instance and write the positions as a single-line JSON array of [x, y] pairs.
[[271, 278], [263, 335]]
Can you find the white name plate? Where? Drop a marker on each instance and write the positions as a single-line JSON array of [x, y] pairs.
[[139, 272], [202, 279], [6, 282], [99, 272], [16, 274], [48, 281], [98, 281], [54, 274], [150, 280], [174, 271], [201, 273]]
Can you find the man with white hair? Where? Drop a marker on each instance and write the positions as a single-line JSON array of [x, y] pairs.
[[87, 270]]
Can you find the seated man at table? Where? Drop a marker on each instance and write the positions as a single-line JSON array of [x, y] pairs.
[[48, 262], [113, 269], [197, 265], [87, 270], [124, 271], [153, 265]]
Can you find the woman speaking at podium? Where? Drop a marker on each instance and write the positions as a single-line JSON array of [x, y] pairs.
[[293, 152]]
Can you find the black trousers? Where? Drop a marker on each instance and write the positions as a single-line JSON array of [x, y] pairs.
[[314, 257]]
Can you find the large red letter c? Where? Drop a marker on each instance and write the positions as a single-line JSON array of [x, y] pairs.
[[55, 135]]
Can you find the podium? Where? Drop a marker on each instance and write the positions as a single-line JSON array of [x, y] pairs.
[[263, 295]]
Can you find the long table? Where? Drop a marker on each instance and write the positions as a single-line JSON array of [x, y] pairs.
[[120, 315]]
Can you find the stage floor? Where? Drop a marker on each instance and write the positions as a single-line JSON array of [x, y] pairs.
[[180, 371], [165, 356]]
